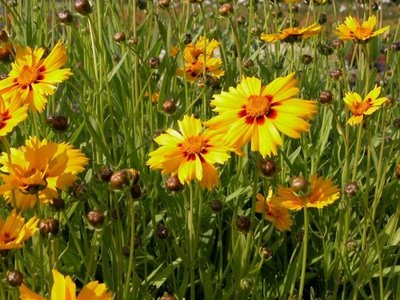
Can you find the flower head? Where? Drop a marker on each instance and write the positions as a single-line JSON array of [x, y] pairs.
[[13, 231], [321, 192], [258, 113], [274, 212], [191, 153], [39, 168], [34, 77], [360, 107], [199, 58], [292, 34], [11, 114], [352, 30], [64, 289]]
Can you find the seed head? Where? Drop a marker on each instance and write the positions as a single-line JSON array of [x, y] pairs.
[[162, 232], [336, 74], [322, 19], [15, 278]]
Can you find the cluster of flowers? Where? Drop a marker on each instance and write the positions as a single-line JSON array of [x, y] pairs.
[[257, 114], [35, 173]]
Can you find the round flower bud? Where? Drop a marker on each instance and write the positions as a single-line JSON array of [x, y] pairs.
[[83, 7], [243, 224], [325, 49], [248, 64], [134, 175], [57, 204], [47, 226], [337, 44], [322, 19], [152, 289], [187, 39], [397, 171], [58, 123], [351, 189], [65, 16], [3, 36], [395, 46], [136, 192], [95, 217], [142, 4], [173, 184], [169, 106], [105, 174], [216, 205], [299, 184], [154, 62], [15, 278], [241, 20], [306, 59], [164, 3], [119, 37], [225, 9], [374, 6], [167, 296], [265, 252], [79, 190], [325, 97], [336, 74], [351, 245], [162, 232], [119, 179], [133, 41], [268, 167]]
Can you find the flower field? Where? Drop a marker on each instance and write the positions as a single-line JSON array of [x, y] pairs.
[[176, 149]]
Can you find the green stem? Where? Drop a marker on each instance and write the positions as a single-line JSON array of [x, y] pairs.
[[238, 49], [131, 248], [357, 151], [305, 246]]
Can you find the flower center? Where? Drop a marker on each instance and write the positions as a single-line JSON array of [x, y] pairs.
[[194, 145], [258, 106], [360, 108], [4, 116], [28, 76], [362, 32]]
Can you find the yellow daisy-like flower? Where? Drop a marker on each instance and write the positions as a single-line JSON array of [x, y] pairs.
[[199, 58], [274, 212], [34, 77], [352, 30], [64, 289], [258, 113], [360, 107], [11, 114], [191, 153], [39, 168], [322, 192], [14, 231], [292, 34]]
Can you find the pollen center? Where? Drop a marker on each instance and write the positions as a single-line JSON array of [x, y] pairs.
[[194, 145], [258, 106], [28, 76], [4, 116], [360, 108], [362, 32]]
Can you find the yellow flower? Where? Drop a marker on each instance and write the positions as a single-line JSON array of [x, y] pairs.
[[274, 212], [39, 168], [34, 77], [11, 114], [199, 58], [322, 192], [360, 107], [64, 289], [258, 113], [352, 30], [292, 34], [13, 231], [191, 153]]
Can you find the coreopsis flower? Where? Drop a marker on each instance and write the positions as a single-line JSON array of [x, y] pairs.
[[64, 288], [292, 34], [363, 107], [199, 58], [38, 170], [11, 114], [353, 30], [320, 192], [190, 153], [274, 212], [34, 77], [14, 231], [257, 113]]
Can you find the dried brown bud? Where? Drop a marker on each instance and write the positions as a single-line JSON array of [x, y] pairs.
[[243, 224], [268, 167], [265, 252], [83, 7], [3, 36], [119, 179], [136, 192], [336, 74], [154, 62], [299, 184], [49, 225], [57, 204], [325, 97], [337, 44], [119, 37], [15, 278], [306, 59], [162, 232], [351, 189], [169, 106], [173, 184], [96, 217], [216, 205], [164, 3], [65, 16], [58, 123], [225, 9]]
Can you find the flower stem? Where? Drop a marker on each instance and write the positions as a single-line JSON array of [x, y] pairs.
[[305, 245]]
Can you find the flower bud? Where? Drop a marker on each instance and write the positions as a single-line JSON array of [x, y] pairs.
[[15, 278], [325, 49], [95, 217], [65, 16], [79, 190], [351, 189], [58, 123], [173, 184], [265, 252], [119, 37], [105, 174], [83, 7], [322, 19], [162, 232], [397, 171], [396, 123], [216, 205], [164, 3], [337, 44], [154, 62], [135, 191], [169, 106], [306, 59], [3, 36], [167, 296], [225, 9], [268, 167], [299, 184], [325, 97], [49, 225], [395, 46], [57, 204], [351, 245], [336, 74], [243, 224], [119, 179]]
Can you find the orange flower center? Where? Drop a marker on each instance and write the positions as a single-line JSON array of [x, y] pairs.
[[258, 106], [4, 116], [362, 32], [359, 108], [28, 76], [192, 146]]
